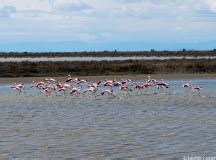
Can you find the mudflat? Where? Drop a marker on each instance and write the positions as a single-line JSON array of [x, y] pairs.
[[117, 77]]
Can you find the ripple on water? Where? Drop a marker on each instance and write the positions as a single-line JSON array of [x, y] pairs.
[[166, 125]]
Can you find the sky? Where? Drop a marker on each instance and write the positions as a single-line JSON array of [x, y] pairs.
[[95, 25]]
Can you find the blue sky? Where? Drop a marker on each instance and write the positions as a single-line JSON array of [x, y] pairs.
[[79, 25]]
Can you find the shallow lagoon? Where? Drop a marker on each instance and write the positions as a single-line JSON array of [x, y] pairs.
[[62, 59], [171, 124]]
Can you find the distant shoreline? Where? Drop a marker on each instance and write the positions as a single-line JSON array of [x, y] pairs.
[[107, 68], [115, 53], [185, 77]]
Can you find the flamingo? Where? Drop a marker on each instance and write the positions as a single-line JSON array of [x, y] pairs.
[[142, 86], [21, 86], [38, 84], [75, 90], [18, 87], [48, 91], [197, 89], [162, 85], [59, 85], [124, 81], [108, 81], [66, 85], [146, 85], [186, 85], [149, 80], [107, 91], [125, 87], [117, 84], [71, 79], [81, 81], [62, 89], [138, 86], [95, 85], [63, 85], [50, 80], [90, 89]]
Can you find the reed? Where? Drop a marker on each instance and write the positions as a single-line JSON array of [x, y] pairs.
[[95, 68]]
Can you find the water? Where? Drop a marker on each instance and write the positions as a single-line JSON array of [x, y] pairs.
[[171, 124], [55, 59]]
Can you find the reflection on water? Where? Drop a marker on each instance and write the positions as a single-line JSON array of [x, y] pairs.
[[54, 59], [172, 124]]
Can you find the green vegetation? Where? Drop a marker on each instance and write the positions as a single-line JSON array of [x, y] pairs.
[[110, 53], [130, 67]]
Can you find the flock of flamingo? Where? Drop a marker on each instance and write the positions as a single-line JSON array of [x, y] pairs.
[[76, 86]]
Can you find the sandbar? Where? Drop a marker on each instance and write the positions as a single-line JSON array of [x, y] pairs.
[[117, 77]]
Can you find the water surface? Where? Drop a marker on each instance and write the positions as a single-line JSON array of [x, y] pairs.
[[171, 124], [56, 59]]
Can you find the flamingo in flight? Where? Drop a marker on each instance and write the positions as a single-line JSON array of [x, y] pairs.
[[18, 87]]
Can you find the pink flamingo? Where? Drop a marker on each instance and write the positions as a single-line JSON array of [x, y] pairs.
[[38, 84], [197, 88], [142, 86], [81, 81], [50, 80], [91, 89], [146, 85], [71, 79], [111, 83], [186, 85], [75, 90], [18, 87], [108, 84], [95, 85], [124, 81], [116, 84], [62, 89], [63, 85], [108, 91], [125, 88], [108, 81], [152, 81], [48, 91]]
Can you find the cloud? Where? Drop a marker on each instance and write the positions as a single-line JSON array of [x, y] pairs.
[[130, 1], [86, 37], [7, 10], [75, 5], [212, 5], [108, 20]]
